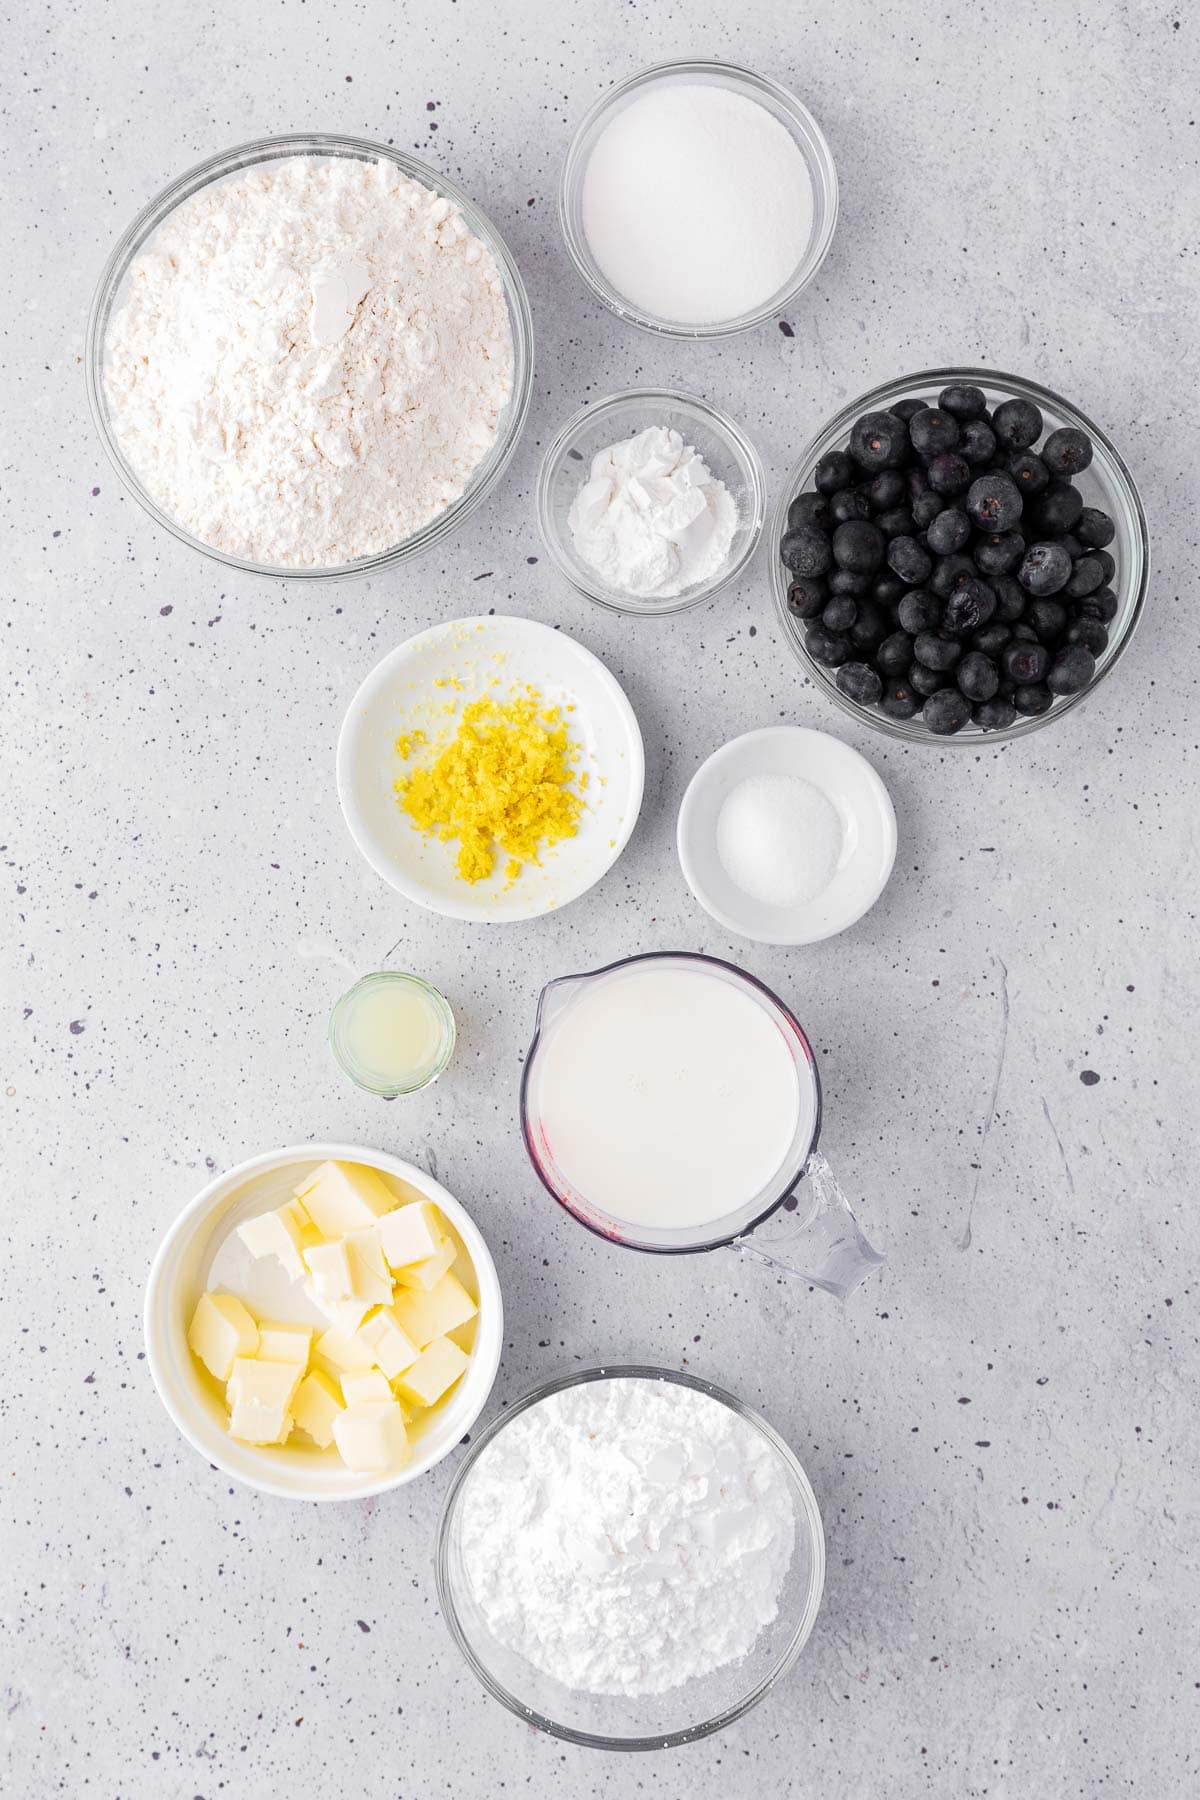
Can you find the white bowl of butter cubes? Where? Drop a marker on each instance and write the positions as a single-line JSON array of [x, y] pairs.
[[324, 1322]]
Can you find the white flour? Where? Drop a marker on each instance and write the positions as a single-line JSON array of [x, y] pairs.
[[312, 358], [627, 1535], [651, 518]]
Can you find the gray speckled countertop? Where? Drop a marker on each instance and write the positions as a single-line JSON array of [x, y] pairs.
[[1001, 1427]]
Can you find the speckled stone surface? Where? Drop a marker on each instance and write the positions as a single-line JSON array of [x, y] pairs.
[[1001, 1427]]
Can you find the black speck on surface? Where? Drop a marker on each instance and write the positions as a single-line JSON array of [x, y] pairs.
[[77, 1027], [363, 1626], [786, 328], [164, 610], [575, 455], [1088, 1077]]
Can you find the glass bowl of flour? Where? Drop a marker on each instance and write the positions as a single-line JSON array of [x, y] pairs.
[[630, 1558], [310, 357], [651, 501]]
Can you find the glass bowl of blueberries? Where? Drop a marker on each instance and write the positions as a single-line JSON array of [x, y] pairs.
[[960, 554]]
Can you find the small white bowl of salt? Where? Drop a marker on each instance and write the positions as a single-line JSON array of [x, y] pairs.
[[786, 836]]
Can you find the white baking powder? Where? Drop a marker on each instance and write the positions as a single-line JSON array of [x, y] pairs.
[[652, 519], [697, 203], [779, 838], [628, 1535], [311, 359]]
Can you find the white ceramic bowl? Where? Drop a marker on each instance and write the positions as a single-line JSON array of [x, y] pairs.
[[202, 1238], [868, 834], [403, 692]]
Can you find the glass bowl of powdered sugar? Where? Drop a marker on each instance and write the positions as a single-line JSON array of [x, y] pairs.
[[651, 501], [630, 1558]]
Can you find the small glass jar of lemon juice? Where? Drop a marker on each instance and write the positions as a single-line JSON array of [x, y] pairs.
[[392, 1033]]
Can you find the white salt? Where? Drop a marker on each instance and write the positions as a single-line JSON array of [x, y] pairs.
[[779, 838]]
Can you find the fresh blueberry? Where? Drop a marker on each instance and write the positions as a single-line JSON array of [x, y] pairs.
[[1086, 577], [920, 611], [1017, 424], [1102, 605], [991, 640], [995, 714], [948, 572], [888, 589], [810, 512], [948, 532], [1024, 663], [1048, 618], [896, 523], [977, 676], [1045, 570], [1000, 553], [976, 442], [1029, 472], [887, 489], [1011, 598], [932, 432], [1095, 528], [900, 700], [1032, 699], [1072, 669], [947, 711], [971, 604], [858, 545], [839, 614], [1072, 545], [870, 627], [806, 598], [949, 473], [879, 440], [1090, 633], [963, 400], [994, 502], [1067, 452], [894, 654], [909, 560], [859, 681], [926, 681], [926, 508], [908, 409], [1059, 508], [936, 652], [848, 581], [807, 552], [847, 504], [828, 647], [1106, 563], [834, 472], [1024, 633]]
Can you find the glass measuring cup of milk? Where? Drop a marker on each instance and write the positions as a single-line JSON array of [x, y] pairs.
[[671, 1102]]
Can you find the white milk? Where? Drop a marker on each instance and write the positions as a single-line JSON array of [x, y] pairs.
[[667, 1096]]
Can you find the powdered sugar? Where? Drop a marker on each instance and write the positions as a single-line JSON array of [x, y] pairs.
[[628, 1535], [651, 518], [311, 360]]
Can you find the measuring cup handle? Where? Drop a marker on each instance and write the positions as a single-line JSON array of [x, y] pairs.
[[823, 1245]]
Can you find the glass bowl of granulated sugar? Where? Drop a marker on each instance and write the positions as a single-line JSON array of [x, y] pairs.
[[310, 356], [630, 1558]]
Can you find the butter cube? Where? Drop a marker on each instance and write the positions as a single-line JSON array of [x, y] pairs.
[[345, 1315], [275, 1234], [316, 1405], [437, 1368], [427, 1274], [339, 1350], [427, 1316], [411, 1233], [221, 1329], [285, 1343], [260, 1396], [386, 1342], [368, 1271], [371, 1438], [367, 1385], [329, 1266], [342, 1197]]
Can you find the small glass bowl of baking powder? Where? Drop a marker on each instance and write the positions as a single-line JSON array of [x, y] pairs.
[[134, 242], [744, 84], [729, 455], [696, 1707]]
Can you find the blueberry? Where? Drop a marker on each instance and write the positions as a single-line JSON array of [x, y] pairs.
[[920, 611], [991, 640], [806, 598], [1072, 545], [947, 711], [1029, 472], [860, 682], [870, 627], [1072, 669], [1102, 605], [908, 409], [999, 553], [1095, 528], [879, 440], [1017, 424], [1024, 634], [1059, 508], [1086, 577], [977, 676], [858, 545], [849, 503], [936, 652], [932, 432], [1067, 451], [918, 483], [1032, 699], [1048, 618], [948, 532], [925, 681], [887, 489], [896, 523], [807, 552], [994, 715], [900, 700], [1090, 633], [839, 614], [994, 502], [894, 654], [888, 589], [810, 512], [948, 572], [976, 442], [970, 606], [829, 647], [834, 472], [1011, 598], [1024, 663], [1106, 563], [909, 560], [964, 401], [926, 508], [846, 581], [1045, 570], [949, 473]]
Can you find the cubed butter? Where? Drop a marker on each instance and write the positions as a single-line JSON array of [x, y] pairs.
[[221, 1330], [275, 1234], [260, 1396], [437, 1368], [386, 1342], [411, 1234], [285, 1343], [329, 1266], [338, 1351], [345, 1315], [342, 1197], [368, 1271], [427, 1274], [358, 1389], [316, 1405], [426, 1316], [371, 1438]]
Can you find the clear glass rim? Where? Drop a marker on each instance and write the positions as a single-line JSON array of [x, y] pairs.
[[635, 606], [354, 1070], [818, 158], [1119, 487], [811, 1517], [214, 168]]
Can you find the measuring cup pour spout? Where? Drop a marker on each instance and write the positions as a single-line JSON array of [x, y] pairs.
[[822, 1244]]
